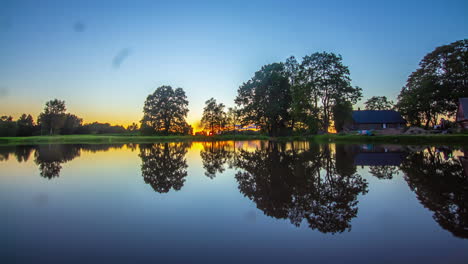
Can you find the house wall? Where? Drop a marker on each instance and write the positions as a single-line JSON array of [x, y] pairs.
[[376, 126]]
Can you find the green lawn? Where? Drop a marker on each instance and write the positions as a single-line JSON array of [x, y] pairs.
[[453, 139]]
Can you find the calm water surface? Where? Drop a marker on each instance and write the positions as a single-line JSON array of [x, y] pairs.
[[240, 202]]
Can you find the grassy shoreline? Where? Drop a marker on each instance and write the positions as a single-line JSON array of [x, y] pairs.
[[455, 139]]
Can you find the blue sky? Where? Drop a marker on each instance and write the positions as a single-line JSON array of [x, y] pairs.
[[69, 49]]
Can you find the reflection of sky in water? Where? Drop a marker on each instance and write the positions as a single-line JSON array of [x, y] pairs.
[[101, 205]]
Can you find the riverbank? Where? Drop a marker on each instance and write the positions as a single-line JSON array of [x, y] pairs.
[[452, 139]]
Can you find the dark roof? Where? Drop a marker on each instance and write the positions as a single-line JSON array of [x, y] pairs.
[[463, 103], [377, 116], [379, 159]]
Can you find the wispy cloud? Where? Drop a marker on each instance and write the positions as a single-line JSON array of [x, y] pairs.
[[79, 26], [3, 92], [121, 57]]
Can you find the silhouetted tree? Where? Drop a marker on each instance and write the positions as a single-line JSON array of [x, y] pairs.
[[233, 118], [164, 166], [435, 87], [8, 127], [418, 102], [132, 128], [72, 124], [100, 128], [265, 99], [326, 81], [25, 126], [165, 111], [214, 117], [53, 117], [378, 103]]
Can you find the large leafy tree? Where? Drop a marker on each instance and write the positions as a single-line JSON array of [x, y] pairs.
[[165, 111], [214, 117], [378, 103], [434, 88], [53, 117], [326, 81], [303, 112], [266, 98]]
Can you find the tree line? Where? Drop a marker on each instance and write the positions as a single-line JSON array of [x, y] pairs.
[[283, 98], [307, 97], [54, 120]]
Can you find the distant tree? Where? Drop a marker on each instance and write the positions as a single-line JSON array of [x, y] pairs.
[[25, 126], [214, 117], [100, 128], [378, 103], [53, 117], [8, 127], [265, 99], [325, 81], [342, 114], [72, 124], [132, 128], [165, 111], [434, 88]]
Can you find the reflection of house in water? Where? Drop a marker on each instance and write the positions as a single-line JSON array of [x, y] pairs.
[[370, 155], [383, 160]]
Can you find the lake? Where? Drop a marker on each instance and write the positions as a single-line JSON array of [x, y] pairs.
[[234, 202]]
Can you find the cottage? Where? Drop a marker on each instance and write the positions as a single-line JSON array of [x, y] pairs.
[[376, 119], [462, 112]]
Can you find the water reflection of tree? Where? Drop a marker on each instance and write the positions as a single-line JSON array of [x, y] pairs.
[[214, 157], [49, 158], [440, 186], [302, 185], [164, 165], [384, 172]]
